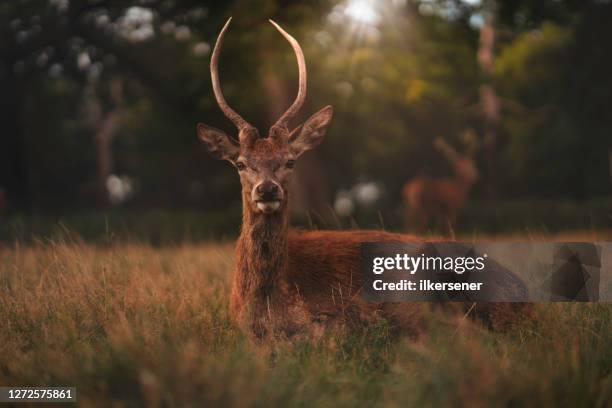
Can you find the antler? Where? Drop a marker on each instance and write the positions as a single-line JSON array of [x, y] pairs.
[[301, 96], [445, 149], [238, 121]]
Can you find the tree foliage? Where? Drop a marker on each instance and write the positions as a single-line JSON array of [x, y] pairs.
[[397, 81]]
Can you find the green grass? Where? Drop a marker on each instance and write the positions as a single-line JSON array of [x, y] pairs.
[[552, 216], [162, 227], [155, 227], [135, 325]]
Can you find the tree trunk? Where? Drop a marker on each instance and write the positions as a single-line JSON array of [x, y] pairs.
[[489, 103], [104, 154], [104, 126]]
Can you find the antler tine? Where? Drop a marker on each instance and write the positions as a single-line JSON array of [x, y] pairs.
[[445, 148], [238, 121], [301, 96]]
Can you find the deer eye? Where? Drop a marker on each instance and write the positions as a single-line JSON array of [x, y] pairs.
[[240, 166], [290, 164]]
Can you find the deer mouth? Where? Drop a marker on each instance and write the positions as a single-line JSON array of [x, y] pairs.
[[268, 206]]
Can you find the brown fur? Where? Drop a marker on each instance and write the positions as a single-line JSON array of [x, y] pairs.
[[310, 279], [292, 281], [301, 282], [289, 282], [440, 199]]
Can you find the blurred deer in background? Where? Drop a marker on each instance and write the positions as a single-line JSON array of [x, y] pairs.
[[426, 198], [289, 282]]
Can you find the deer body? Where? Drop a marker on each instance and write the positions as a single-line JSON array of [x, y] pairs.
[[427, 198], [285, 281], [292, 281], [295, 281]]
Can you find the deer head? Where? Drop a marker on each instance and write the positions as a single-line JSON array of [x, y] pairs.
[[265, 165], [463, 165]]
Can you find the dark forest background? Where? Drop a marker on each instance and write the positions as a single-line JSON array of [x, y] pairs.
[[99, 102]]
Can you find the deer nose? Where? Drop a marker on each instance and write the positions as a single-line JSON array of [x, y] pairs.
[[267, 191]]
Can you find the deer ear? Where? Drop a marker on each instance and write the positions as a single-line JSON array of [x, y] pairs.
[[217, 143], [310, 134]]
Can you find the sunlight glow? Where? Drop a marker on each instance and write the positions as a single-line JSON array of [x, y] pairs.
[[359, 20], [362, 12]]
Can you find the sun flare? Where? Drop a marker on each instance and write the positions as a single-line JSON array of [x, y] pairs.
[[362, 12]]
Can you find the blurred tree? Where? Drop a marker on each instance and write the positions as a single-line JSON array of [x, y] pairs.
[[555, 76], [398, 73], [104, 127], [78, 42], [489, 102]]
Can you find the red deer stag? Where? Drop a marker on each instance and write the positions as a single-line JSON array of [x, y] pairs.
[[289, 282], [440, 199]]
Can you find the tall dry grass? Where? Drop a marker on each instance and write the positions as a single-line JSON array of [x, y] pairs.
[[133, 325]]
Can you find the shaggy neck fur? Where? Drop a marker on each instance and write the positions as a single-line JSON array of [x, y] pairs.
[[261, 251]]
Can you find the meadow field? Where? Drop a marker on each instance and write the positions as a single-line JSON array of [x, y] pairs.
[[130, 324], [476, 120]]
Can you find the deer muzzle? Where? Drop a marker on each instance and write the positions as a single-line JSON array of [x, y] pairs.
[[268, 196]]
